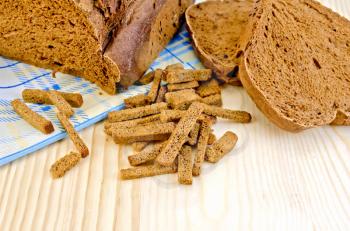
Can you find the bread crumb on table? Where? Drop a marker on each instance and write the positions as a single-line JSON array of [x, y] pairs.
[[64, 164]]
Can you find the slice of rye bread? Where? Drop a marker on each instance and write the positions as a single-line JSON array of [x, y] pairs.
[[215, 28], [99, 40], [296, 64]]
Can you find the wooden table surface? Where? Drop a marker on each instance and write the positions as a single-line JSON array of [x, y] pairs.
[[273, 180]]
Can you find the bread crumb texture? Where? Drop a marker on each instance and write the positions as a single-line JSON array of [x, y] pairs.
[[297, 63]]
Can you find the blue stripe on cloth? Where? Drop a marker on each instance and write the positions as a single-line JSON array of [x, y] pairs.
[[176, 57], [7, 159], [9, 65], [179, 46], [175, 54], [30, 76], [27, 81]]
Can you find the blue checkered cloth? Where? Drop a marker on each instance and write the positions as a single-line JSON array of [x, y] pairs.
[[18, 138]]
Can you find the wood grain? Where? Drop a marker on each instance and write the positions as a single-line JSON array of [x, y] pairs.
[[273, 180]]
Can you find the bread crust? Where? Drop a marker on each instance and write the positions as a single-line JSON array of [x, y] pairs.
[[152, 24], [332, 115], [221, 70], [82, 44]]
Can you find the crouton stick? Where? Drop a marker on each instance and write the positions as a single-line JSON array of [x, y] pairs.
[[175, 115], [61, 104], [181, 76], [135, 113], [33, 118], [132, 123], [115, 126], [236, 116], [182, 86], [147, 78], [212, 138], [146, 171], [139, 146], [214, 100], [64, 164], [179, 135], [147, 154], [74, 99], [201, 147], [161, 94], [77, 141], [209, 88], [185, 165], [181, 99], [137, 101], [221, 147], [193, 136], [153, 92], [41, 97], [341, 119], [171, 115], [143, 133], [176, 66]]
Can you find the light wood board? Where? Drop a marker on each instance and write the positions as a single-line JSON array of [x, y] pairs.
[[273, 180]]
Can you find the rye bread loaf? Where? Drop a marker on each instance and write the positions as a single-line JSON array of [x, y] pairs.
[[296, 63], [215, 28], [89, 38], [148, 28]]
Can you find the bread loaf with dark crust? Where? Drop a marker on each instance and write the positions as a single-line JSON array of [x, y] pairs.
[[296, 64], [149, 27], [105, 41], [215, 28]]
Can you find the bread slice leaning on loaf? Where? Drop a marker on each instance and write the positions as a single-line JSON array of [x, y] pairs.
[[101, 41], [296, 64], [215, 28]]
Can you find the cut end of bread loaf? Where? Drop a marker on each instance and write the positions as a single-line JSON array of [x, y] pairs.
[[61, 35], [76, 37], [215, 28], [296, 64]]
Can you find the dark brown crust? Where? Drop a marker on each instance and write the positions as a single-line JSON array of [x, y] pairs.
[[127, 19], [134, 56]]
